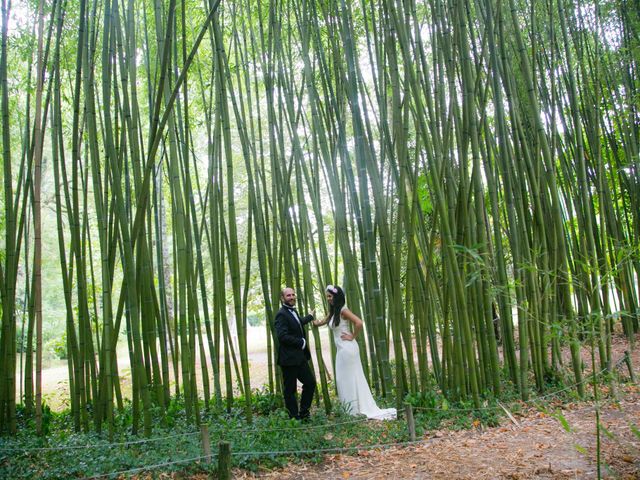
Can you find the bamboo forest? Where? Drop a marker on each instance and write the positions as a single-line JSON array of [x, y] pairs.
[[468, 171]]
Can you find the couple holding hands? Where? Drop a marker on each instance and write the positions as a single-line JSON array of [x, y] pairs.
[[294, 353]]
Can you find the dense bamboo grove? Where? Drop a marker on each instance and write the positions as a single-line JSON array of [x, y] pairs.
[[469, 171]]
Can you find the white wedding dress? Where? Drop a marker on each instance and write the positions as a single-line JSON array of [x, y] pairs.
[[353, 389]]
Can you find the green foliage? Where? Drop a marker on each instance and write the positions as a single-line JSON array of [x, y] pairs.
[[433, 411], [581, 449], [264, 401], [59, 346], [49, 417], [442, 173], [426, 399], [563, 421], [607, 432], [255, 320], [63, 453], [423, 195]]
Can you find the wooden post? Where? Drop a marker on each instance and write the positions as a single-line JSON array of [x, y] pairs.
[[224, 460], [206, 445], [410, 422]]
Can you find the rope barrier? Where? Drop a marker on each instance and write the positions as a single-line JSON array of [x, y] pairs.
[[145, 468], [96, 445], [333, 449], [452, 409], [168, 437], [258, 454], [304, 427], [300, 427], [532, 400], [281, 452], [293, 452]]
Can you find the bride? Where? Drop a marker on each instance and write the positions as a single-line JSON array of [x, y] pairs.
[[353, 389]]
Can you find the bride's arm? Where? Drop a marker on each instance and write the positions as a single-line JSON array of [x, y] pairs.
[[319, 323], [357, 324]]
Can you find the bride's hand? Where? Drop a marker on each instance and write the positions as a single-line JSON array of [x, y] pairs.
[[347, 336]]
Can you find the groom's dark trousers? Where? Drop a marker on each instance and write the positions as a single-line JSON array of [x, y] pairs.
[[293, 357]]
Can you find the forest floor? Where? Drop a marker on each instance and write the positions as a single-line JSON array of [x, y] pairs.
[[531, 445], [537, 447], [534, 444]]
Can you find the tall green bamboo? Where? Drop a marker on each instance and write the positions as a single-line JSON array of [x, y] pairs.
[[481, 213]]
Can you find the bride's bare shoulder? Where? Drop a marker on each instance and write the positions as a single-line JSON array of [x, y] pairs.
[[349, 315], [346, 313]]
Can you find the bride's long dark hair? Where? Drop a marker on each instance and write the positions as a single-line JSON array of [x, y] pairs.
[[338, 303]]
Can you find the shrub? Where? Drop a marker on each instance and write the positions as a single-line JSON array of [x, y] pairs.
[[59, 347]]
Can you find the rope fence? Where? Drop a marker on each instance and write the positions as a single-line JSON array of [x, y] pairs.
[[98, 445], [224, 454], [332, 449], [219, 427], [145, 468], [299, 427], [588, 378], [260, 454], [187, 434]]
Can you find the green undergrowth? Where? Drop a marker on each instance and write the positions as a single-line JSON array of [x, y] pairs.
[[272, 439], [433, 411]]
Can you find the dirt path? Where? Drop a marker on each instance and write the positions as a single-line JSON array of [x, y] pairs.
[[537, 447]]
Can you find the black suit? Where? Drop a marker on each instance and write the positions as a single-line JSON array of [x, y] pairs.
[[293, 358]]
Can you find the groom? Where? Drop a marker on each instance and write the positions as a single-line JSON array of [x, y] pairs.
[[293, 355]]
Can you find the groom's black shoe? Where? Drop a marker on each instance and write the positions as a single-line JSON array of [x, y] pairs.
[[304, 417]]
